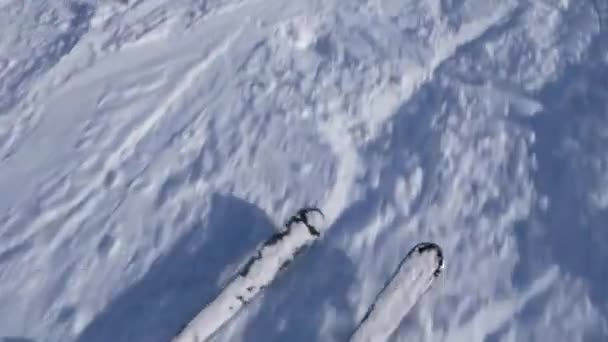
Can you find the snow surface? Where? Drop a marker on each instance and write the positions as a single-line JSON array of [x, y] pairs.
[[147, 147]]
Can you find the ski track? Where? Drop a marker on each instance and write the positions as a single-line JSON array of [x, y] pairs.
[[90, 196], [131, 130]]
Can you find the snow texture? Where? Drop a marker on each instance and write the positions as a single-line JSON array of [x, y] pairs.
[[147, 148]]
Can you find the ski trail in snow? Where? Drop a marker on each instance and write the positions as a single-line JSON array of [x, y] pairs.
[[380, 101], [129, 144], [82, 204], [413, 278], [124, 117], [349, 167], [274, 256], [70, 204]]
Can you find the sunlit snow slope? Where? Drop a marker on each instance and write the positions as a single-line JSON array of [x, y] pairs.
[[148, 146]]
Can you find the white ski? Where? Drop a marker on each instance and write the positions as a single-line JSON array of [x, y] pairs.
[[413, 277], [271, 258]]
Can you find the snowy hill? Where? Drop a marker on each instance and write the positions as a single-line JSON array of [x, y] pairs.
[[148, 146]]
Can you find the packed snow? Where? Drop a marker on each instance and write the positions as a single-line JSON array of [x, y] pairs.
[[148, 147]]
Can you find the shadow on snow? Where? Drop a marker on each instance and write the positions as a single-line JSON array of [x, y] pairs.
[[15, 339], [571, 140], [182, 282]]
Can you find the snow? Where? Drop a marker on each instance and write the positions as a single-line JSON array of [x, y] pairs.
[[147, 148]]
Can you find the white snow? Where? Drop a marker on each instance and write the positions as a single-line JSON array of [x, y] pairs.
[[148, 147]]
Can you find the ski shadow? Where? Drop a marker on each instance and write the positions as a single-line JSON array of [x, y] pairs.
[[183, 281], [570, 143], [15, 339], [302, 295]]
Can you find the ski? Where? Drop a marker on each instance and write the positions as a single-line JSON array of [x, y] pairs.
[[272, 257], [412, 279]]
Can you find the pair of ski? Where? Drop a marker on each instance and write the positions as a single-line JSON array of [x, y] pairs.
[[412, 278]]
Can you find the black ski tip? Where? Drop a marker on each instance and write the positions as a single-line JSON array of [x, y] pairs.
[[302, 215], [424, 247], [307, 210]]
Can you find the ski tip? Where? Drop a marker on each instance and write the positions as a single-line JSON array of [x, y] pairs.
[[311, 211], [310, 215], [425, 247], [314, 216]]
